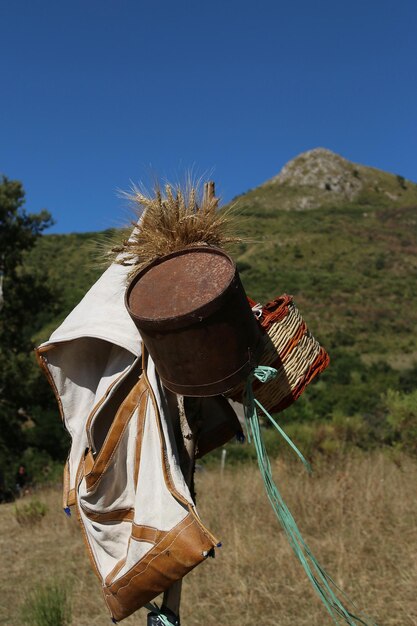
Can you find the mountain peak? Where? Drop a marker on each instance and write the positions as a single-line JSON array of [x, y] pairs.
[[321, 169], [319, 178]]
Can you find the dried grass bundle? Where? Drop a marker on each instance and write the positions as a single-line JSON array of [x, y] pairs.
[[171, 220]]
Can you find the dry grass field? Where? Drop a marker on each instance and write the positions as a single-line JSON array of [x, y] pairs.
[[359, 516]]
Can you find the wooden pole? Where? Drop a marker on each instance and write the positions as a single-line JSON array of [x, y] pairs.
[[186, 431], [188, 425], [209, 190]]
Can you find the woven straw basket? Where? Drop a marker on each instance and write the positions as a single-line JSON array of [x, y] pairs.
[[291, 349]]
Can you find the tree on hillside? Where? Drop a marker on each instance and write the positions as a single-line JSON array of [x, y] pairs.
[[24, 294], [19, 231]]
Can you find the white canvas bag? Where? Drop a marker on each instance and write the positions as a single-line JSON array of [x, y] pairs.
[[138, 518]]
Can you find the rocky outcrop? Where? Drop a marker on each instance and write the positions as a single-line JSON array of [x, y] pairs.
[[322, 169], [320, 178]]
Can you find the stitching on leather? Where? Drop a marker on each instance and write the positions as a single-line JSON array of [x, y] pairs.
[[157, 544], [153, 559], [153, 527], [140, 435], [116, 569], [162, 534], [165, 463], [90, 513], [43, 365], [79, 479]]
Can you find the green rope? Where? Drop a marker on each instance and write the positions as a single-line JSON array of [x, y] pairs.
[[161, 616], [264, 374], [321, 581]]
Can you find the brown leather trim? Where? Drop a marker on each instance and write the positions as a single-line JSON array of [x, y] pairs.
[[177, 552], [174, 553], [71, 497], [88, 463], [141, 532], [108, 517], [65, 485], [165, 463], [121, 420], [116, 569], [80, 475], [143, 405], [79, 478], [114, 396], [98, 406], [42, 364]]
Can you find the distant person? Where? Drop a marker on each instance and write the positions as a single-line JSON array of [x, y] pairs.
[[2, 488], [21, 480]]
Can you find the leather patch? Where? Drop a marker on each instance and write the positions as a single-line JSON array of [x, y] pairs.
[[108, 517], [176, 553], [71, 500]]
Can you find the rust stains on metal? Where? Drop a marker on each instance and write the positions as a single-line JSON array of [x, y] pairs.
[[195, 320], [181, 284]]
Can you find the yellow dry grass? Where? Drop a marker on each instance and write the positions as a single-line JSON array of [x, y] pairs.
[[359, 516]]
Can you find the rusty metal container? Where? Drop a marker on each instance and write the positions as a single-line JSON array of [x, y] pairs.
[[194, 318]]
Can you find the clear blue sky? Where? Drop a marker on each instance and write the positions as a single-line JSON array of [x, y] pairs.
[[98, 93]]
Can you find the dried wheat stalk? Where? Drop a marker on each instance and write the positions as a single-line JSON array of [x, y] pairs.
[[173, 219]]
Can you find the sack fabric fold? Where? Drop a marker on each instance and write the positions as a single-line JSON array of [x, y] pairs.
[[137, 516]]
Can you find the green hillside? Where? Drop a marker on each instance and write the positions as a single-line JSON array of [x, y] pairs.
[[351, 265], [352, 271], [320, 178], [70, 264]]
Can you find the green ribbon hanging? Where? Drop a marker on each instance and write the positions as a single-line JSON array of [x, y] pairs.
[[161, 616], [321, 581]]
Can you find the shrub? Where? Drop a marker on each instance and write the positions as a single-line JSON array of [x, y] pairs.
[[402, 418], [314, 439], [242, 266], [328, 438], [401, 181], [31, 513], [41, 467], [48, 605]]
